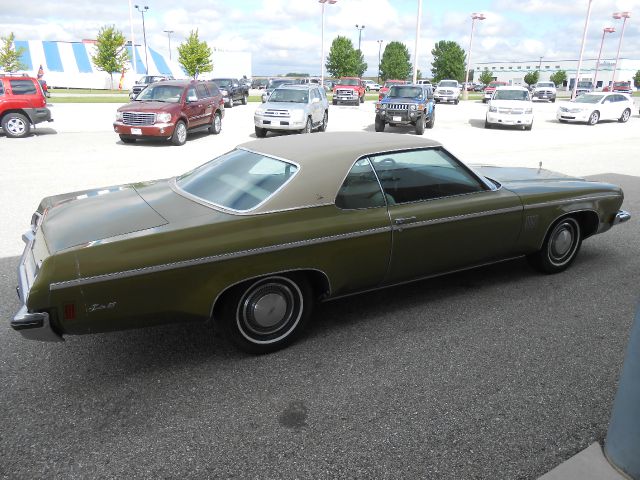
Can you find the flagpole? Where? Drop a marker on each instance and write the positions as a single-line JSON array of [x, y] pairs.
[[133, 40]]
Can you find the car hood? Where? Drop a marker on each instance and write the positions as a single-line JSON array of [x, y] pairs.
[[514, 175], [574, 105], [146, 106], [509, 104], [82, 217], [284, 106]]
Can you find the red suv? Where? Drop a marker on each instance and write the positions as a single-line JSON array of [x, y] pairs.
[[169, 109], [22, 104]]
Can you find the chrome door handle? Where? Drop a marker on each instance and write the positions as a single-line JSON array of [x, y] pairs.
[[402, 220]]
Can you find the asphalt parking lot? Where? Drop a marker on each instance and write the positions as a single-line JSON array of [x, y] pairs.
[[494, 373]]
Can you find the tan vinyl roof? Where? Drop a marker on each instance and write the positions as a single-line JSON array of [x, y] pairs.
[[324, 160]]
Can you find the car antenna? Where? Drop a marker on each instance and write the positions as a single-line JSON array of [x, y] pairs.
[[539, 167]]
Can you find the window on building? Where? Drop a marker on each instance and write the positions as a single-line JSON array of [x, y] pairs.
[[558, 67], [519, 67], [501, 68], [528, 67]]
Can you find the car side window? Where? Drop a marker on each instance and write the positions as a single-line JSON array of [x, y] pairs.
[[213, 89], [201, 88], [419, 175], [1, 88], [360, 189], [23, 87], [191, 95]]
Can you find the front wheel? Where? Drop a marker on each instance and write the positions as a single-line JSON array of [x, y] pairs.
[[560, 247], [244, 99], [487, 124], [261, 132], [420, 126], [265, 315], [230, 105], [307, 127], [594, 118], [16, 125], [379, 125], [625, 116], [179, 136]]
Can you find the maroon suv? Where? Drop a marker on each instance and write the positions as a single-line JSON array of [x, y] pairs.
[[22, 104], [169, 109]]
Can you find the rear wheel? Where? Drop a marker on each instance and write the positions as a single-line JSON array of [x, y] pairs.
[[216, 124], [379, 125], [127, 139], [335, 102], [325, 121], [625, 116], [432, 120], [179, 136], [560, 248], [261, 132], [16, 125], [265, 315], [594, 118], [230, 102]]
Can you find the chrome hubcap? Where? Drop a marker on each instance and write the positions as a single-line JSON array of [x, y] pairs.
[[270, 310], [182, 132], [217, 123], [562, 243], [16, 126]]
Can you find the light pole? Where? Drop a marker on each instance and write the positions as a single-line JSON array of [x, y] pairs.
[[540, 64], [584, 37], [618, 16], [144, 35], [360, 28], [330, 2], [414, 77], [133, 40], [379, 50], [605, 30], [169, 32], [474, 17]]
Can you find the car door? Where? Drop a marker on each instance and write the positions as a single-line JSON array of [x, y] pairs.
[[206, 98], [444, 217], [193, 107], [609, 108]]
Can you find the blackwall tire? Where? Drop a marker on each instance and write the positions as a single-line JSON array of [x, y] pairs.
[[560, 247]]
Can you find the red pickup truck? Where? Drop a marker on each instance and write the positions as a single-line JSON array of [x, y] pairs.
[[387, 85], [349, 90], [619, 87]]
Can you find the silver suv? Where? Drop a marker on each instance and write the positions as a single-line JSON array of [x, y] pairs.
[[299, 108]]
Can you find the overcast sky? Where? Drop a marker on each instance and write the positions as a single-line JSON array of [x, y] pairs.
[[284, 35]]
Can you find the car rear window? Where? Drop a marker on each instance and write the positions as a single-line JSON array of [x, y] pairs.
[[239, 180], [23, 87]]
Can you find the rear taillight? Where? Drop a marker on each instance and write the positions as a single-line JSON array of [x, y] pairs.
[[69, 311]]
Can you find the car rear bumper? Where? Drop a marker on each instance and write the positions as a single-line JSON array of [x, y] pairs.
[[31, 325], [39, 115], [163, 130]]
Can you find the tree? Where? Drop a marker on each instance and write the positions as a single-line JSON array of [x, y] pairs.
[[194, 55], [111, 56], [9, 55], [636, 79], [343, 60], [448, 61], [396, 62], [486, 77], [532, 77], [559, 77]]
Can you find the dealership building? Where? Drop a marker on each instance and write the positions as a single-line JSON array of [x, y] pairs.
[[70, 64], [513, 72]]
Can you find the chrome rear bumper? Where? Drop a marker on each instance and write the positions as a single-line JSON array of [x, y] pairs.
[[34, 326], [621, 217]]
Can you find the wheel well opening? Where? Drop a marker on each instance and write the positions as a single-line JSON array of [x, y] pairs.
[[588, 221]]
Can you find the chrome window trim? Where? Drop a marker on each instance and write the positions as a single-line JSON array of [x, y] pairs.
[[173, 184], [214, 258]]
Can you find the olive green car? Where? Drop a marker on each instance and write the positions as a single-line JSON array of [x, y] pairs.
[[253, 238]]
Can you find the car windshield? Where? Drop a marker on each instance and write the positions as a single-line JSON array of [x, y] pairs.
[[585, 85], [289, 95], [448, 84], [277, 83], [496, 84], [222, 82], [405, 92], [511, 95], [239, 180], [161, 93], [546, 85], [586, 98], [620, 84], [349, 81]]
